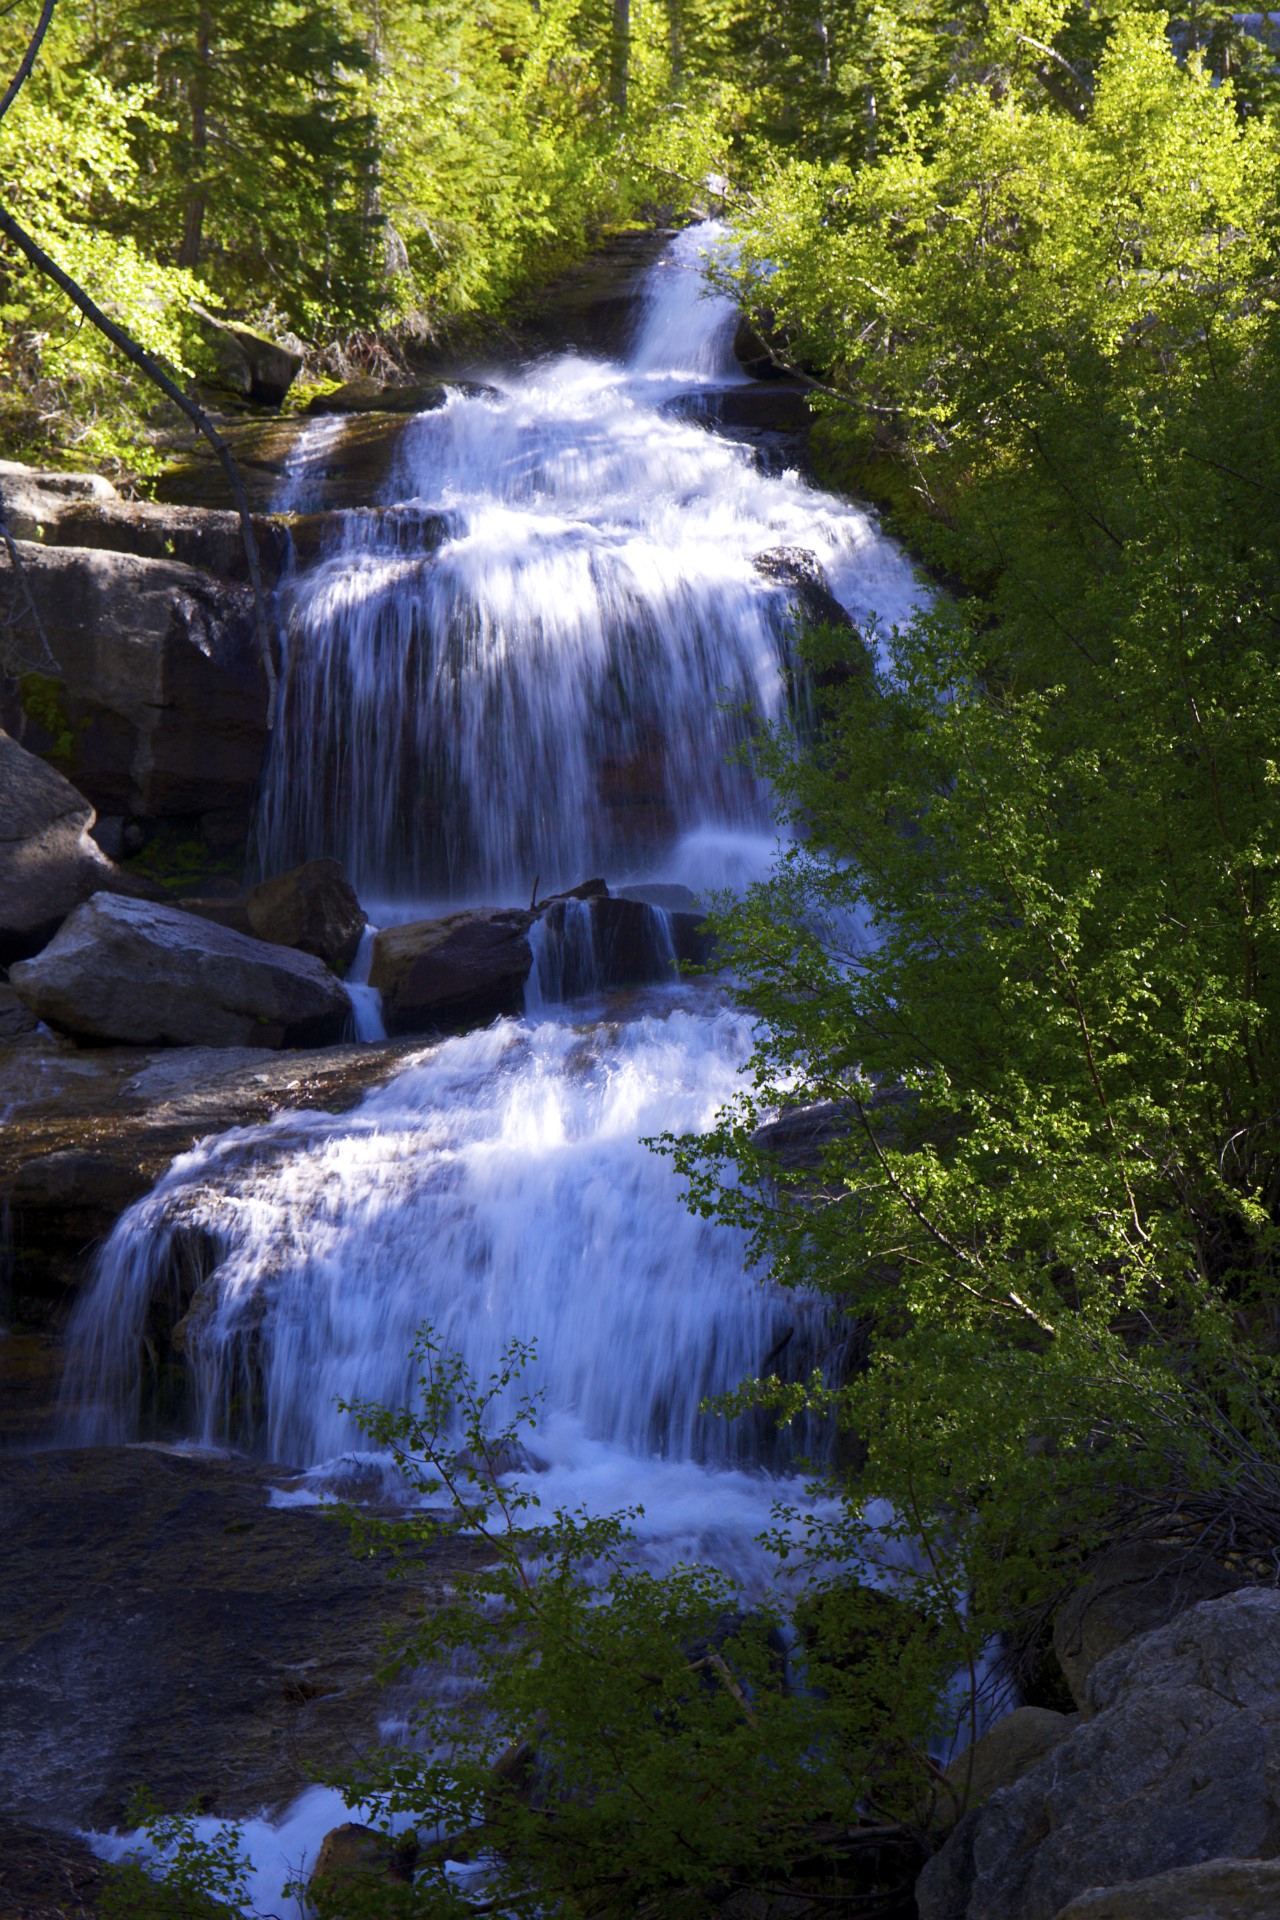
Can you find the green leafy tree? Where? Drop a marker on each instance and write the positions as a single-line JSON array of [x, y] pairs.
[[259, 150], [1025, 943]]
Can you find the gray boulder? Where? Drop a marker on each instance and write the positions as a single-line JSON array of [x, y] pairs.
[[159, 707], [464, 970], [313, 908], [1007, 1750], [130, 970], [49, 862], [1179, 1765], [248, 365], [1131, 1587]]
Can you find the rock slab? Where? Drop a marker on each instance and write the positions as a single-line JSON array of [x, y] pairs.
[[135, 971], [159, 705], [162, 1625]]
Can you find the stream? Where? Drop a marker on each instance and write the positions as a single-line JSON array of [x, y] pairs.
[[531, 667]]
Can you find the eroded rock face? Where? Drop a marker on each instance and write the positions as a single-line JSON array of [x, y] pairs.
[[439, 975], [145, 974], [1179, 1765], [90, 1131], [49, 862], [34, 499], [229, 1650], [347, 469], [204, 537], [160, 699]]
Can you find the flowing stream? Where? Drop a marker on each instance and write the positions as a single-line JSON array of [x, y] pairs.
[[530, 661]]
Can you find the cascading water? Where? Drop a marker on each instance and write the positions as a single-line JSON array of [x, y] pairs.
[[541, 662], [535, 665]]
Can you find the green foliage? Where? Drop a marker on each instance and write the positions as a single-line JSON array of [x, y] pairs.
[[1026, 942], [66, 151], [257, 156], [177, 1875], [611, 1742]]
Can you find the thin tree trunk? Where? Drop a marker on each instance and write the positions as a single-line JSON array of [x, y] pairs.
[[675, 39], [619, 54], [197, 192]]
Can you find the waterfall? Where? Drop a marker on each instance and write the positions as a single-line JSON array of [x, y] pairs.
[[536, 667], [556, 684]]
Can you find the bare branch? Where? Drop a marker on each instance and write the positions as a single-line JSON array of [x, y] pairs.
[[28, 59]]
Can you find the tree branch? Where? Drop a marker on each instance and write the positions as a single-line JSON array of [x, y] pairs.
[[28, 60], [148, 365]]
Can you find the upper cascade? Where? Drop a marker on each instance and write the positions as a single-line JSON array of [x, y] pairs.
[[558, 683]]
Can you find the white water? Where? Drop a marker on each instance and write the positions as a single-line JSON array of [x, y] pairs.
[[459, 722], [556, 690]]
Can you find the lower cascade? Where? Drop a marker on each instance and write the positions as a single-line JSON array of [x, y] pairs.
[[531, 663]]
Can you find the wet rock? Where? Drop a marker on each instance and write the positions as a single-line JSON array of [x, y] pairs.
[[163, 1626], [312, 908], [33, 500], [247, 365], [663, 893], [347, 467], [1214, 1890], [592, 306], [1131, 1587], [746, 410], [159, 704], [49, 861], [46, 1874], [800, 1135], [17, 1023], [409, 396], [798, 570], [692, 939], [135, 971], [356, 1858], [1177, 1766], [203, 537], [92, 1131], [442, 975], [632, 943]]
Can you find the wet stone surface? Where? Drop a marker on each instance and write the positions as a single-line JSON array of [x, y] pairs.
[[87, 1131], [162, 1626]]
